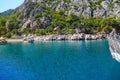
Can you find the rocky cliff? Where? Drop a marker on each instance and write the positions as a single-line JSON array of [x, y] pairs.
[[79, 7]]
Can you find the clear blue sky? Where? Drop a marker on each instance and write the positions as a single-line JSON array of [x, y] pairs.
[[9, 4]]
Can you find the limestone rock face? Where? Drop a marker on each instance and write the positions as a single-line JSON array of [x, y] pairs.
[[79, 7], [34, 25], [99, 12], [27, 24], [87, 12]]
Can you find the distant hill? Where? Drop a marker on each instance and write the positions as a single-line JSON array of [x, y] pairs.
[[8, 12]]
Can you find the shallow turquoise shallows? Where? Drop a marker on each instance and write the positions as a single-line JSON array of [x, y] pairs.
[[58, 60]]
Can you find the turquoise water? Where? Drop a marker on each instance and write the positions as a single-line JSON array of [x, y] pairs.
[[58, 60]]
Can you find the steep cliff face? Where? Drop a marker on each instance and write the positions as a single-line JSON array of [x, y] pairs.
[[86, 8], [79, 7]]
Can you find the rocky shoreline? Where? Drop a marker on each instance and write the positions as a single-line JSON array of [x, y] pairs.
[[70, 37], [57, 37]]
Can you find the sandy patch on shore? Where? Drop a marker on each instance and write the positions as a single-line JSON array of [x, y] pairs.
[[14, 40]]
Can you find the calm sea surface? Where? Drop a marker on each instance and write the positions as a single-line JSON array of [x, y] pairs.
[[58, 60]]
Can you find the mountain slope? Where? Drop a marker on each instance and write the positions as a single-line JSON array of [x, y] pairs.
[[79, 7], [64, 16], [85, 8], [6, 13]]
